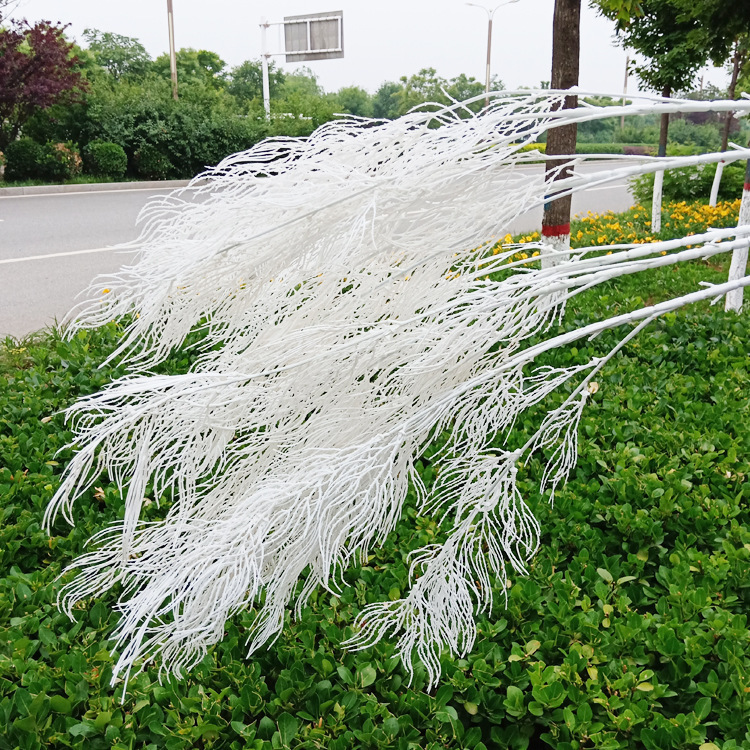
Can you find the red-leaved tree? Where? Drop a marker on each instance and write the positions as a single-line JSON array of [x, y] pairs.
[[37, 69]]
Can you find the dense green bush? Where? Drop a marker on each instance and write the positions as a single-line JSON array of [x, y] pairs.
[[615, 148], [105, 159], [692, 184], [152, 164], [629, 631], [59, 162], [23, 158]]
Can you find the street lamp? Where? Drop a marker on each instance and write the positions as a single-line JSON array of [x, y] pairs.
[[490, 14]]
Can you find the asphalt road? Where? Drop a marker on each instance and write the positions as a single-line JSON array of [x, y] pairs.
[[52, 246]]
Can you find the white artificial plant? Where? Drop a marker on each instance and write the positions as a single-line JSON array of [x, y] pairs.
[[352, 311]]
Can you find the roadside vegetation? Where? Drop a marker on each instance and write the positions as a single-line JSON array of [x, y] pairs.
[[101, 107], [630, 629]]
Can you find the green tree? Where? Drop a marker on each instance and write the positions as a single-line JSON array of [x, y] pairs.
[[119, 55], [194, 66], [355, 101], [246, 81], [385, 101]]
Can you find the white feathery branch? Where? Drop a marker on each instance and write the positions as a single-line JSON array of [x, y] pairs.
[[351, 313]]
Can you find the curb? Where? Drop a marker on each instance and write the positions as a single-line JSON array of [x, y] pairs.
[[91, 187]]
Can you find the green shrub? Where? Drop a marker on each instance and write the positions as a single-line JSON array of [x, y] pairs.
[[152, 164], [59, 162], [23, 160], [615, 148], [105, 159], [692, 184], [628, 633]]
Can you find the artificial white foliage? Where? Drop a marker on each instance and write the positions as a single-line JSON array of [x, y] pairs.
[[343, 285]]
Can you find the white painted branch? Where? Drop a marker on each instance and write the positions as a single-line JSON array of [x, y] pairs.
[[716, 184], [656, 202], [738, 266]]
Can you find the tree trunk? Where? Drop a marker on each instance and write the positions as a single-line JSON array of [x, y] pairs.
[[736, 62], [566, 43], [659, 176], [738, 266]]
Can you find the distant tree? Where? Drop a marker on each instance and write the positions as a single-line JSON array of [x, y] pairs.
[[464, 87], [246, 80], [301, 82], [197, 66], [426, 86], [384, 102], [302, 104], [677, 38], [37, 69], [119, 55], [355, 101]]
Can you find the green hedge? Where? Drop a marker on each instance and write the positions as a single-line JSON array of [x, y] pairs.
[[105, 159], [29, 160], [23, 158], [643, 149], [630, 630], [691, 184]]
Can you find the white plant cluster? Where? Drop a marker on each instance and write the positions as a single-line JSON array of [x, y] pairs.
[[350, 312]]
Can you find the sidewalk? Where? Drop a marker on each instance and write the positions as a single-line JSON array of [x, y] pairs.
[[89, 187]]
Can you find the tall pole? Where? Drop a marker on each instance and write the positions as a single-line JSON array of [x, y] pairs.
[[489, 58], [624, 90], [490, 15], [264, 66], [172, 56]]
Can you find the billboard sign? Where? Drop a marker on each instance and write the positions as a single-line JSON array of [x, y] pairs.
[[315, 36]]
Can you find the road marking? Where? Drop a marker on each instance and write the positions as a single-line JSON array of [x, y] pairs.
[[163, 191], [62, 255]]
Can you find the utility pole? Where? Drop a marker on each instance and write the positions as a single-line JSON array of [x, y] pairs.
[[490, 14], [264, 55], [172, 55], [624, 90]]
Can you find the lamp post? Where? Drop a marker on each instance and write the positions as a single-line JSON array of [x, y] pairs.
[[172, 56], [490, 14]]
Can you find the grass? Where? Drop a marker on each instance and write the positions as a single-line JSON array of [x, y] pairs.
[[630, 630]]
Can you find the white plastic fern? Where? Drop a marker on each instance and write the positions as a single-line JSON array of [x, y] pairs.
[[351, 313]]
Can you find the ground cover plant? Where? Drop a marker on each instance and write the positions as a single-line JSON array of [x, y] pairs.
[[629, 631]]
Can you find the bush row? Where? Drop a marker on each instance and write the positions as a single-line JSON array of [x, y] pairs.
[[57, 162], [629, 631]]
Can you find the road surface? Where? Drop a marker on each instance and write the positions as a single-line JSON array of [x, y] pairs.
[[52, 246]]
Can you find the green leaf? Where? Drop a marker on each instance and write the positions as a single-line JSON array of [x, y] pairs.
[[702, 708], [60, 705], [287, 728], [532, 647], [366, 676], [605, 574], [345, 674]]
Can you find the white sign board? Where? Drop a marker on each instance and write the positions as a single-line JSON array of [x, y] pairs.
[[315, 36]]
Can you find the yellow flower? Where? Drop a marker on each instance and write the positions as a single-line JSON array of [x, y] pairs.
[[106, 291]]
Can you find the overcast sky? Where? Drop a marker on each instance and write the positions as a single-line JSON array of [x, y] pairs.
[[383, 39]]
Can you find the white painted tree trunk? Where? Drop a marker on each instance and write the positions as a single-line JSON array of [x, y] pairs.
[[556, 250], [716, 183], [738, 266], [656, 202]]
